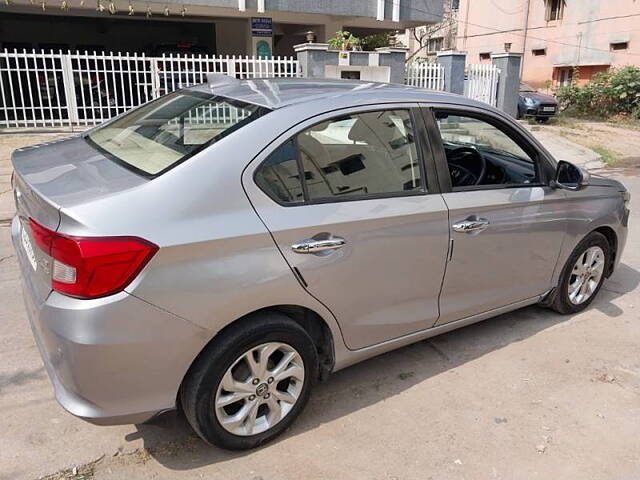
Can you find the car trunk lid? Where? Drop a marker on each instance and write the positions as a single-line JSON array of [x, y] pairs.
[[50, 177]]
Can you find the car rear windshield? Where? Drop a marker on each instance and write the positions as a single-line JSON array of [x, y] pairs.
[[167, 131]]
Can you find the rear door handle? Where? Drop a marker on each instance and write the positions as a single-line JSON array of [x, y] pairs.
[[471, 225], [312, 245]]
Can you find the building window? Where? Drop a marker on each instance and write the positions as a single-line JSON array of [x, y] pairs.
[[564, 76], [555, 10], [539, 52], [435, 44], [485, 56], [619, 45], [455, 4]]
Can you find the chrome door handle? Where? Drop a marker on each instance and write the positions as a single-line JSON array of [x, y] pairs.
[[312, 245], [471, 225]]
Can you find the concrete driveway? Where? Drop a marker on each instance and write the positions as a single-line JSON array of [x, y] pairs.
[[527, 395]]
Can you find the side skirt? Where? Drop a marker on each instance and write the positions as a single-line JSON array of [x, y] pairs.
[[352, 357]]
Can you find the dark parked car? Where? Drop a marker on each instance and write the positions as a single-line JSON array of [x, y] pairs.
[[534, 104]]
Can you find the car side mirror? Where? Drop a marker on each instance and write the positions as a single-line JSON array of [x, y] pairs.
[[570, 176]]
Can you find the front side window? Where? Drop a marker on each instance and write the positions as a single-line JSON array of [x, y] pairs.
[[359, 155], [481, 154], [159, 135]]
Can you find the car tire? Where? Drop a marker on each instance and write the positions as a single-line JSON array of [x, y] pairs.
[[565, 300], [227, 359]]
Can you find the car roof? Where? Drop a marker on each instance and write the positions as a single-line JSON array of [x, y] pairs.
[[277, 93]]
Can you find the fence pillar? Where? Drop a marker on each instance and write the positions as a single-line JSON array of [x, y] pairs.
[[509, 83], [69, 85], [155, 77], [454, 64], [313, 57], [395, 60]]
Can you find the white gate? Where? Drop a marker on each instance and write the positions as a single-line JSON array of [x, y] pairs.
[[39, 89], [481, 83], [425, 75]]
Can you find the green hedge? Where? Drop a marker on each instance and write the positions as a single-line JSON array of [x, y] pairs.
[[615, 92]]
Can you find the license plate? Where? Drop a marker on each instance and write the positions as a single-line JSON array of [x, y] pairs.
[[28, 249], [549, 109]]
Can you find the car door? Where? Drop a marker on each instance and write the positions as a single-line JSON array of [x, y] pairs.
[[506, 223], [356, 213]]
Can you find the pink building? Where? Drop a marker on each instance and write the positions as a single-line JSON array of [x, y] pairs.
[[554, 36]]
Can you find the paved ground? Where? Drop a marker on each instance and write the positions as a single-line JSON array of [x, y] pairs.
[[563, 148], [528, 395], [620, 147]]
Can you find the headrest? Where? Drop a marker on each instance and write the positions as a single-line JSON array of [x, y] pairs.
[[318, 127], [367, 128]]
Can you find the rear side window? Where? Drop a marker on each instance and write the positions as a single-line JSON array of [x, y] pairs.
[[351, 157], [361, 155], [163, 133], [278, 175]]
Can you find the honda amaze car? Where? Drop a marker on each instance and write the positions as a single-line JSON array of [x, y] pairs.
[[224, 247]]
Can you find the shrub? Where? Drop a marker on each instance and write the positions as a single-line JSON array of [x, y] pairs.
[[609, 93], [343, 40], [377, 40]]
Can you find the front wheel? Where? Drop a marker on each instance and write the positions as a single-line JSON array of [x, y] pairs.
[[583, 274], [251, 383]]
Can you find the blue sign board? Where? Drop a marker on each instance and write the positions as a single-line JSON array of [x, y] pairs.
[[261, 27]]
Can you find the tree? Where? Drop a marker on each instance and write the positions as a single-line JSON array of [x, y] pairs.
[[447, 28]]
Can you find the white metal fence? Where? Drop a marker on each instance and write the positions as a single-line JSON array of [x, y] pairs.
[[39, 89], [481, 83], [425, 75]]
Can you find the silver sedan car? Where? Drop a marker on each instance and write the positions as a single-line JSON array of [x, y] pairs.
[[224, 247]]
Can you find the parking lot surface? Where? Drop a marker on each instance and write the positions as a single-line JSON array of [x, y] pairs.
[[527, 395]]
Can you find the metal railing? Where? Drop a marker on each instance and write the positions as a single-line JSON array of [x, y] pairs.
[[425, 75], [56, 89], [481, 83]]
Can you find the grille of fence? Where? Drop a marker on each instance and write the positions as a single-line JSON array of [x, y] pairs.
[[481, 83], [40, 89], [425, 75]]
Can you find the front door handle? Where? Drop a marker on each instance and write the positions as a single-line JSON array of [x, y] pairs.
[[312, 245], [471, 225]]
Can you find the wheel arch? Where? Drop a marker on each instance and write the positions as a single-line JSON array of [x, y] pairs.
[[612, 237], [607, 231], [317, 328]]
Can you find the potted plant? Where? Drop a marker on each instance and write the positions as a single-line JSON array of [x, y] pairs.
[[344, 41]]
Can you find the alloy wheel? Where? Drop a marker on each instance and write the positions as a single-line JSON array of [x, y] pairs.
[[586, 275], [259, 389]]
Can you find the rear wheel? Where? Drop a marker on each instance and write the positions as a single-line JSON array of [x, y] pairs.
[[583, 274], [251, 383]]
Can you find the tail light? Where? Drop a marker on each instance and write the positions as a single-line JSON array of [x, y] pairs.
[[92, 267]]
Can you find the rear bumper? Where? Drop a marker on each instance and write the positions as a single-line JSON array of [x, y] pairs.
[[113, 360]]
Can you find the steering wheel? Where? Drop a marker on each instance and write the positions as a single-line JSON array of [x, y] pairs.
[[462, 175]]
